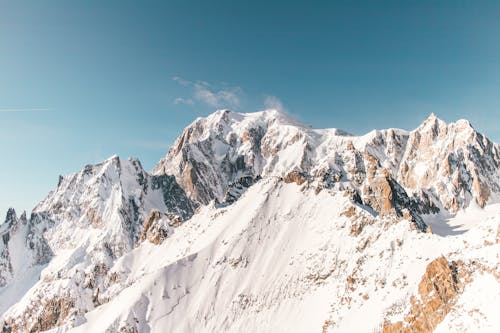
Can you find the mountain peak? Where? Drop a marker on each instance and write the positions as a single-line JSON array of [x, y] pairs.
[[263, 117], [432, 122], [432, 116], [11, 216]]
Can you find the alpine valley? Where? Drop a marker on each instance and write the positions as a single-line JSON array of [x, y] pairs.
[[257, 223]]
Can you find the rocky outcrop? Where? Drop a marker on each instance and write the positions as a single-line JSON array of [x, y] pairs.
[[157, 227], [238, 187], [296, 177], [438, 290], [45, 316]]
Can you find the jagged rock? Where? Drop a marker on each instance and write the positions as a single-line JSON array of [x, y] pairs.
[[30, 245], [296, 177], [437, 291], [157, 227], [44, 316], [238, 187]]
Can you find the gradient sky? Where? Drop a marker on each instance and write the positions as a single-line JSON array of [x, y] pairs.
[[83, 80]]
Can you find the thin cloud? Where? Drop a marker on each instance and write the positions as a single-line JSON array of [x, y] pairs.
[[205, 93], [227, 97], [24, 109], [180, 100], [181, 81], [274, 103]]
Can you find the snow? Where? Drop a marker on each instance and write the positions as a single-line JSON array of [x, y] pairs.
[[19, 286], [446, 224], [244, 268], [476, 309]]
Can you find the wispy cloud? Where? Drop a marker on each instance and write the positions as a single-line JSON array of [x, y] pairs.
[[274, 103], [208, 94], [24, 109], [205, 93], [180, 100], [181, 81]]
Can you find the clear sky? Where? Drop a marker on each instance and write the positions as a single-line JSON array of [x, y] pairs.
[[83, 80]]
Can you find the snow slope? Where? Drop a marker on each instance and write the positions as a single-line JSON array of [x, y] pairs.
[[280, 260]]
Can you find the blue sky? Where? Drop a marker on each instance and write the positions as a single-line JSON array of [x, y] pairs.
[[83, 80]]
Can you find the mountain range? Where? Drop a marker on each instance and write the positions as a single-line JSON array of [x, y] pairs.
[[254, 222]]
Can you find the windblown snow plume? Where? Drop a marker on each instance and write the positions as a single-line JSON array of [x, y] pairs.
[[257, 223]]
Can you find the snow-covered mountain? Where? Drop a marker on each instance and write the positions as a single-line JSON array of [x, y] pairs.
[[437, 166], [255, 222]]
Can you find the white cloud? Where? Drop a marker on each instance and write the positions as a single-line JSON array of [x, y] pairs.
[[226, 97], [208, 94], [180, 100], [274, 103]]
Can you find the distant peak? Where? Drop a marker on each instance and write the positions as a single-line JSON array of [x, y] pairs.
[[434, 122], [23, 216], [431, 122], [223, 113], [464, 123], [433, 117], [10, 217], [11, 213], [114, 159], [267, 116]]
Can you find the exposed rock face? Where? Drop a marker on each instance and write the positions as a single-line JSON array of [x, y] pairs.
[[296, 177], [208, 157], [238, 187], [157, 227], [41, 317], [466, 164], [437, 291]]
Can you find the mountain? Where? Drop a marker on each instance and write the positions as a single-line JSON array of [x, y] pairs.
[[255, 222], [390, 170]]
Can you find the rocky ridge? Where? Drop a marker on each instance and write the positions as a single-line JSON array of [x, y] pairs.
[[437, 166]]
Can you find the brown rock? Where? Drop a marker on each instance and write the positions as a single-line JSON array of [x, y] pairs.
[[481, 191], [296, 177], [380, 194], [53, 313], [153, 230], [438, 291]]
